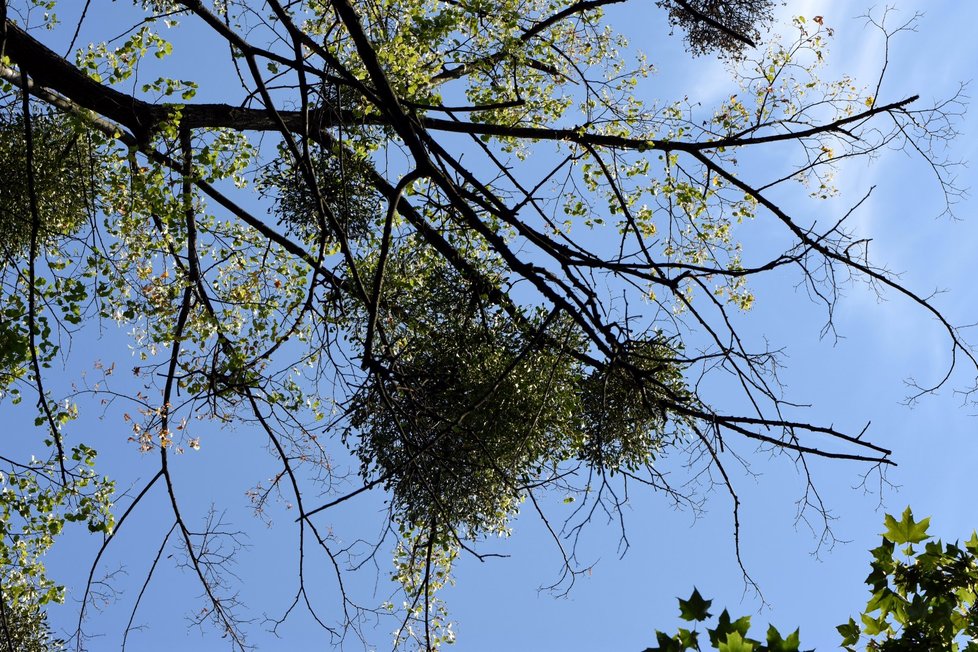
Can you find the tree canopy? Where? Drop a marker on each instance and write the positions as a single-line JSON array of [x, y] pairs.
[[442, 249]]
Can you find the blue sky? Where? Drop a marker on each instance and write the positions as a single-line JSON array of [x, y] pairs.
[[848, 381]]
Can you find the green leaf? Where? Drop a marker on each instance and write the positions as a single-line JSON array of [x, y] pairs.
[[849, 632], [972, 543], [886, 601], [666, 644], [695, 608], [776, 643], [736, 643], [689, 639], [874, 626], [906, 530]]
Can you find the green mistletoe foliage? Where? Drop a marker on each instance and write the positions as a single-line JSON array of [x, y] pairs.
[[725, 26], [24, 628], [64, 173]]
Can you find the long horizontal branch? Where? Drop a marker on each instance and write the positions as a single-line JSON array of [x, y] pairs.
[[582, 136], [50, 70]]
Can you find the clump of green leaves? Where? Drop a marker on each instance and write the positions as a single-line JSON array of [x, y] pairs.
[[923, 592], [63, 166], [623, 420], [341, 184], [24, 628], [923, 598], [472, 406], [722, 26], [466, 406], [36, 502]]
